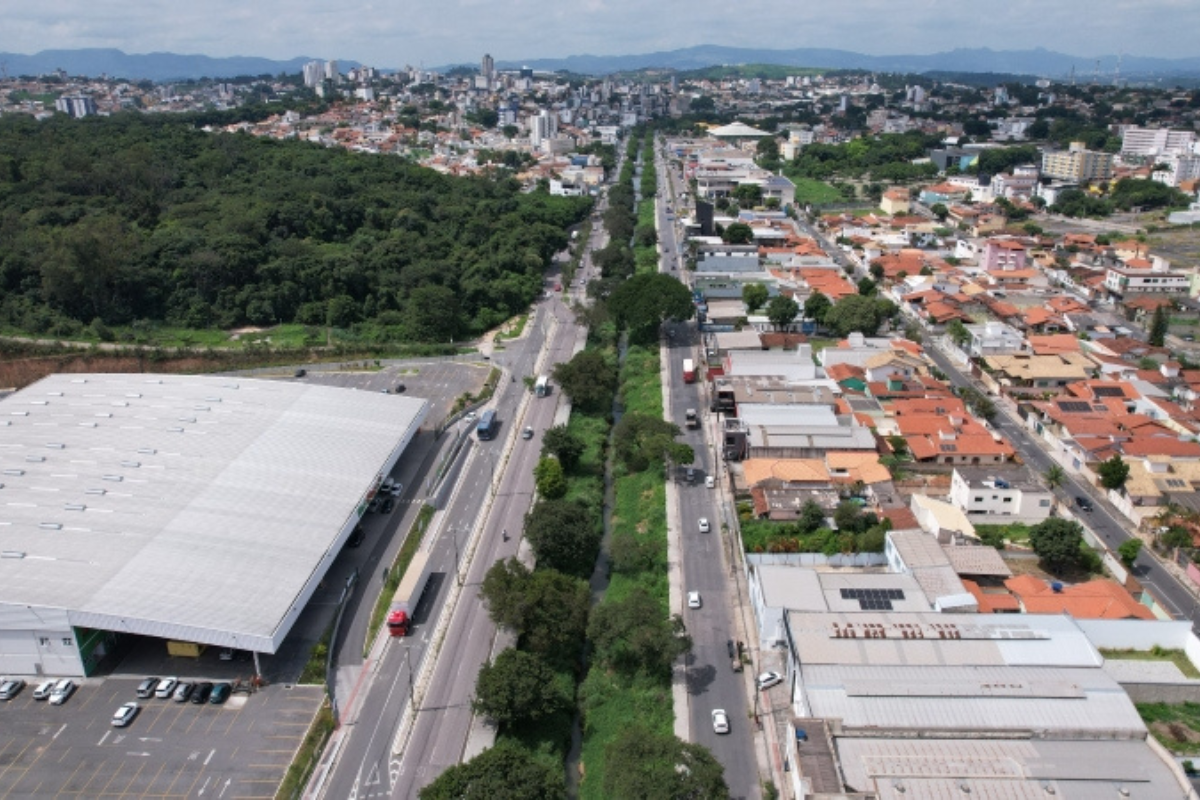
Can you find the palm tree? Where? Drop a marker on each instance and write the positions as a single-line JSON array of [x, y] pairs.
[[1055, 476]]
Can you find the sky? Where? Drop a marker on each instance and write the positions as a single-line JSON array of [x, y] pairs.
[[389, 34]]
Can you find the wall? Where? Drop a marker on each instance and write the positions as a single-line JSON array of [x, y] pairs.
[[1136, 634]]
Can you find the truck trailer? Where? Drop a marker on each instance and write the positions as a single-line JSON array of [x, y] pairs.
[[689, 371], [408, 595]]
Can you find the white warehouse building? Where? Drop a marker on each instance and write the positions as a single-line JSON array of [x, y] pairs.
[[200, 509]]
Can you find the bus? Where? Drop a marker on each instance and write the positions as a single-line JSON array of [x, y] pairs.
[[542, 387], [486, 429]]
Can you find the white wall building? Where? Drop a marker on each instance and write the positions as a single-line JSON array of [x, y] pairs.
[[1012, 493]]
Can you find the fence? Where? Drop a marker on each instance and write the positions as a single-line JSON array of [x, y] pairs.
[[857, 560]]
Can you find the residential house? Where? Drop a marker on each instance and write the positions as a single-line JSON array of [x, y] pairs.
[[1009, 491]]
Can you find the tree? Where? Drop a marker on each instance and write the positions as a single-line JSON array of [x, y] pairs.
[[816, 306], [1128, 551], [564, 536], [940, 211], [546, 609], [1113, 473], [506, 771], [812, 516], [643, 303], [1057, 543], [550, 480], [589, 379], [1158, 326], [866, 287], [640, 439], [738, 233], [1055, 476], [958, 333], [633, 636], [854, 313], [656, 766], [518, 687], [876, 270], [782, 311], [564, 445], [755, 296]]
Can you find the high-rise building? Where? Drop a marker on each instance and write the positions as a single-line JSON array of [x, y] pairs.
[[1139, 142], [331, 71], [314, 73], [76, 105], [1078, 164], [487, 68]]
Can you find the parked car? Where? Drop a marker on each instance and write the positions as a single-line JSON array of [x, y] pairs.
[[373, 506], [125, 714], [183, 691], [220, 693], [11, 688], [720, 721], [356, 538], [693, 599], [300, 373], [388, 505], [1084, 503], [226, 653], [146, 687], [768, 679], [735, 660], [166, 688], [401, 388], [527, 433], [201, 693], [710, 482], [704, 525], [43, 690], [62, 692], [396, 490]]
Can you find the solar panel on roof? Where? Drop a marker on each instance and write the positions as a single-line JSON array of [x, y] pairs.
[[1108, 391], [949, 448], [1075, 406]]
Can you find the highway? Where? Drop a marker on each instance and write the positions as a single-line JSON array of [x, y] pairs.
[[1106, 522], [365, 765], [711, 681]]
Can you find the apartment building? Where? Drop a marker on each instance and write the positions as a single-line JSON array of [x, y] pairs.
[[1077, 163], [1139, 142]]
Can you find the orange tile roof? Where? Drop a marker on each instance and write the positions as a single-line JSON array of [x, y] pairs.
[[1098, 599], [991, 602], [1054, 343]]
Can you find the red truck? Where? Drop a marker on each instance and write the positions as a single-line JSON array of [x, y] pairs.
[[408, 594], [689, 371]]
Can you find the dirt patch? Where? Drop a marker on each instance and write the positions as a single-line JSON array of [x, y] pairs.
[[1175, 732], [20, 373]]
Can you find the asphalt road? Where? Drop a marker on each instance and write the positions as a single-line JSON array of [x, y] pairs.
[[1106, 522], [711, 681]]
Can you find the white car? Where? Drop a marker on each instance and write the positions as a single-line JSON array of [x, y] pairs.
[[125, 715], [397, 488], [704, 525], [710, 482], [166, 688], [43, 690], [768, 679], [62, 691], [720, 721], [693, 599]]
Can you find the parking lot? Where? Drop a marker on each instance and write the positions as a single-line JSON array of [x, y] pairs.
[[171, 750]]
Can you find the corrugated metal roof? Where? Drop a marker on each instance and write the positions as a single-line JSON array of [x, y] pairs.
[[1004, 769], [194, 507]]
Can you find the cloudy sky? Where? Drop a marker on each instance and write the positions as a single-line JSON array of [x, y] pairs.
[[387, 33]]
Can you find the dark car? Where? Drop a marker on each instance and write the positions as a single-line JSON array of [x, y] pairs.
[[201, 693], [1084, 504], [401, 388], [300, 373], [356, 538], [220, 693], [388, 505]]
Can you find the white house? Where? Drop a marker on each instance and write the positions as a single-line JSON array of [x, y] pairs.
[[1010, 492]]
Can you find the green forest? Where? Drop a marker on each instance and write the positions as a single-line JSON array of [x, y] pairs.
[[136, 219]]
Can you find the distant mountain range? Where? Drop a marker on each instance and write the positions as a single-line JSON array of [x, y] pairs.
[[1040, 62], [1046, 63]]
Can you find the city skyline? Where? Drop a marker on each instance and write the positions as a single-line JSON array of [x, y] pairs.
[[461, 31]]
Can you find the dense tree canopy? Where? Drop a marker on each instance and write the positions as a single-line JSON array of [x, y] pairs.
[[858, 313], [655, 766], [547, 609], [138, 217], [1057, 542], [588, 379], [518, 687], [565, 535], [634, 636], [645, 301], [503, 772]]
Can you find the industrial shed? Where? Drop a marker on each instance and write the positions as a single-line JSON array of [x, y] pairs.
[[194, 508]]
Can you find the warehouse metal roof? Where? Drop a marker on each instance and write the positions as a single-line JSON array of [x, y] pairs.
[[198, 508]]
